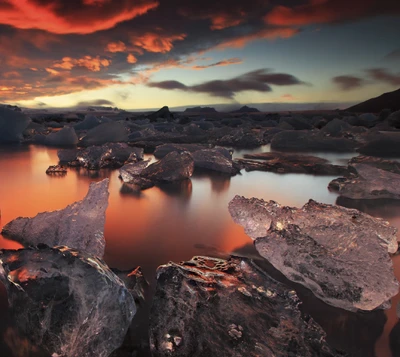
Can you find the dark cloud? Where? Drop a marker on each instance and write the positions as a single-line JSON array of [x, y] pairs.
[[348, 82], [167, 85], [330, 11], [96, 102], [393, 56], [383, 75], [278, 79], [220, 14], [259, 81], [227, 62]]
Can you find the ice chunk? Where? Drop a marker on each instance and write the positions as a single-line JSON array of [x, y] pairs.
[[340, 254], [106, 133], [131, 171], [88, 123], [69, 303], [214, 307], [173, 167], [12, 125], [67, 155], [64, 137], [79, 225], [215, 160], [108, 155]]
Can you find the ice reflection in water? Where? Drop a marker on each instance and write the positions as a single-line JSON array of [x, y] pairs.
[[177, 221]]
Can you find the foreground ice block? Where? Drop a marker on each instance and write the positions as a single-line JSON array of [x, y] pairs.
[[214, 307], [67, 302], [340, 254], [79, 225]]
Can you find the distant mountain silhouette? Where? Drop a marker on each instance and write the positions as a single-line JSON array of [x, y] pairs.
[[390, 100], [246, 109], [200, 110]]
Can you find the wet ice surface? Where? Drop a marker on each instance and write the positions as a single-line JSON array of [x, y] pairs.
[[174, 222]]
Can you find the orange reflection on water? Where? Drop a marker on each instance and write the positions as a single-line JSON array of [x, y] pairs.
[[382, 346], [167, 223]]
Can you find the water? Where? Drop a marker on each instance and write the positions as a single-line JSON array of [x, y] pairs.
[[177, 221]]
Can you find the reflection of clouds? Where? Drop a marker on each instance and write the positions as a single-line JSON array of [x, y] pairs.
[[289, 189], [40, 155]]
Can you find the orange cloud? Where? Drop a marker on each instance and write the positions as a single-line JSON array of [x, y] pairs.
[[287, 97], [55, 83], [52, 71], [131, 58], [59, 17], [265, 34], [115, 47], [93, 64], [153, 42]]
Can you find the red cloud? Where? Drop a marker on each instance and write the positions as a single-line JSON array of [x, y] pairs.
[[329, 11], [153, 42], [266, 34], [223, 21], [59, 17], [115, 47]]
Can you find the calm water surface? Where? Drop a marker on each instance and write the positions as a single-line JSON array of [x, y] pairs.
[[177, 221]]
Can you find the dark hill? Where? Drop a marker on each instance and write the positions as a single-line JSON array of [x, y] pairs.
[[200, 110], [246, 109], [390, 100]]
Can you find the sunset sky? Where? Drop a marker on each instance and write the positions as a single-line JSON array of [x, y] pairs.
[[149, 53]]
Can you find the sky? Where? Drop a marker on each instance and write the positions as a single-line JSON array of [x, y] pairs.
[[136, 54]]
